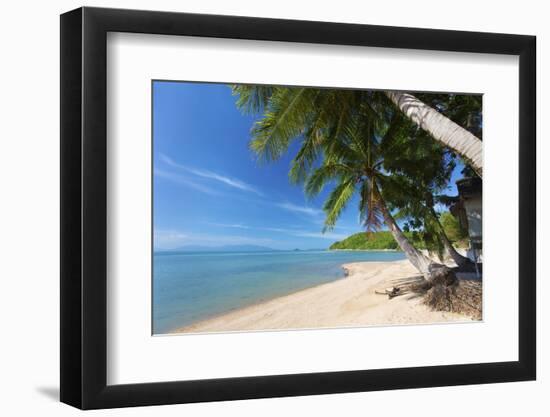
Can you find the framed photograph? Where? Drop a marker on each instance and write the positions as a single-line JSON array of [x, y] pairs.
[[258, 208]]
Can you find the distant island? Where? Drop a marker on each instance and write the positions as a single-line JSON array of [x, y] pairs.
[[363, 241], [383, 240]]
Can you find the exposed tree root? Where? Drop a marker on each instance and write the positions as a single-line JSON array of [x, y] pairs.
[[445, 292], [462, 296]]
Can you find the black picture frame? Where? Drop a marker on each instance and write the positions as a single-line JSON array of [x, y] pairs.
[[84, 207]]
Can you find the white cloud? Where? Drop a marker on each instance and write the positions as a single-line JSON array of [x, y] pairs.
[[306, 233], [232, 182], [276, 229], [319, 235], [299, 209], [180, 179], [234, 225], [291, 232]]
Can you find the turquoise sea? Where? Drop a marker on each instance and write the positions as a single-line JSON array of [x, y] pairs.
[[192, 286]]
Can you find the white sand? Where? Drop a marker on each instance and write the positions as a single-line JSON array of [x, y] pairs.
[[350, 301]]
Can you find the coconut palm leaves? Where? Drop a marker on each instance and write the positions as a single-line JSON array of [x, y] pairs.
[[252, 99], [336, 130], [284, 120], [424, 171], [444, 122], [351, 162], [370, 209], [441, 128], [356, 143]]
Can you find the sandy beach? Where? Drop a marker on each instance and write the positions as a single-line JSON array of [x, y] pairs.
[[350, 301]]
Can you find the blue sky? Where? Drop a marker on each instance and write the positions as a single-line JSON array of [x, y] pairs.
[[210, 190]]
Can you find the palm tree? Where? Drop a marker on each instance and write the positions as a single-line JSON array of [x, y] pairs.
[[441, 128], [434, 236], [348, 132], [347, 145], [461, 261], [354, 164], [423, 169]]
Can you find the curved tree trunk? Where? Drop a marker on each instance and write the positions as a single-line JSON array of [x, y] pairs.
[[417, 258], [441, 128], [460, 260]]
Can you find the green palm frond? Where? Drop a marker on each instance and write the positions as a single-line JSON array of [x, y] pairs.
[[355, 141], [339, 123], [370, 214], [431, 236], [324, 117], [284, 120], [306, 157], [324, 174], [360, 137], [252, 99], [337, 201]]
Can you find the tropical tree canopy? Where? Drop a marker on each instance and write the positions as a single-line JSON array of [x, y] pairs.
[[359, 144], [454, 120], [441, 128]]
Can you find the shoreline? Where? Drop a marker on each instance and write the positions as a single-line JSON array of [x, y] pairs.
[[259, 303], [349, 301]]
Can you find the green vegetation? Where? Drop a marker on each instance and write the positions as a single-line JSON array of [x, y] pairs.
[[366, 145], [384, 240], [375, 241], [367, 241], [452, 228]]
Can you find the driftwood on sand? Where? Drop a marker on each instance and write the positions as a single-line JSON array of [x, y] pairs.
[[444, 292], [390, 292]]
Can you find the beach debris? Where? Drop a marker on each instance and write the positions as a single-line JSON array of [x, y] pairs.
[[444, 291], [464, 297], [390, 292]]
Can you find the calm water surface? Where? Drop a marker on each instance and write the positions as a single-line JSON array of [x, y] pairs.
[[192, 286]]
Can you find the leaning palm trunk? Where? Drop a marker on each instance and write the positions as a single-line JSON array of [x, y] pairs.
[[440, 281], [460, 260], [417, 258], [441, 128]]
